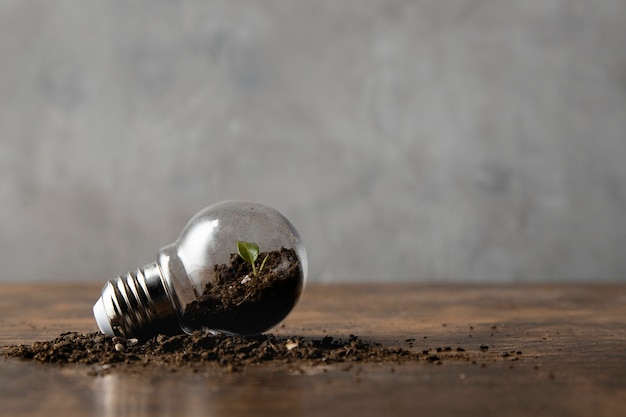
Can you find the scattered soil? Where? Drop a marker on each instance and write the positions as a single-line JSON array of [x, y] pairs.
[[205, 351], [241, 303], [229, 353]]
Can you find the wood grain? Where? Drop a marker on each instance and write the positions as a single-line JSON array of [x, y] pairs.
[[546, 350]]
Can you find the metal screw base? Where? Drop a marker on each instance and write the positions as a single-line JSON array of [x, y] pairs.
[[136, 305]]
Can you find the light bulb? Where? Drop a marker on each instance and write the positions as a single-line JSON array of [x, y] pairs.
[[202, 282]]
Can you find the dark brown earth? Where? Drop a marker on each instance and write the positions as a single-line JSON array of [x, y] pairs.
[[242, 303], [226, 353], [231, 353]]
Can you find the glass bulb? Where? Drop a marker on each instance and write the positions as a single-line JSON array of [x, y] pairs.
[[202, 282]]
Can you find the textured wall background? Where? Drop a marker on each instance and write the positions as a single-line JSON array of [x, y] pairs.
[[406, 140]]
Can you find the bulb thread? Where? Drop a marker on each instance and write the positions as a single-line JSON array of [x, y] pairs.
[[132, 303], [137, 304]]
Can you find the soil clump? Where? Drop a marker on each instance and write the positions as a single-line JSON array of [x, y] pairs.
[[228, 353], [240, 302]]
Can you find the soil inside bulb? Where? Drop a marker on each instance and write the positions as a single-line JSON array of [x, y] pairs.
[[241, 302]]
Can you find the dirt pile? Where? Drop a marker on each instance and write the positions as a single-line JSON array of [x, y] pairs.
[[230, 353]]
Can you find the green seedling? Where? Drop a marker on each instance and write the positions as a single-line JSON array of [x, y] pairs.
[[249, 252]]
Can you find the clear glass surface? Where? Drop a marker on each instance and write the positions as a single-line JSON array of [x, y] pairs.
[[210, 239]]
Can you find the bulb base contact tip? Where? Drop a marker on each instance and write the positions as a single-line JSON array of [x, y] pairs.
[[130, 305], [102, 319]]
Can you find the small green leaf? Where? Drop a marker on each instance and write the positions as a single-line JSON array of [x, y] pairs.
[[263, 263], [249, 252]]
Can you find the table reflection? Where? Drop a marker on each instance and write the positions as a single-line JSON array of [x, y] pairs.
[[186, 393]]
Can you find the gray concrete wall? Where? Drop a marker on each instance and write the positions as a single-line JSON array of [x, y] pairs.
[[406, 140]]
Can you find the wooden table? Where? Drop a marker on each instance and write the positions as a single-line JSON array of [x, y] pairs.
[[540, 350]]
